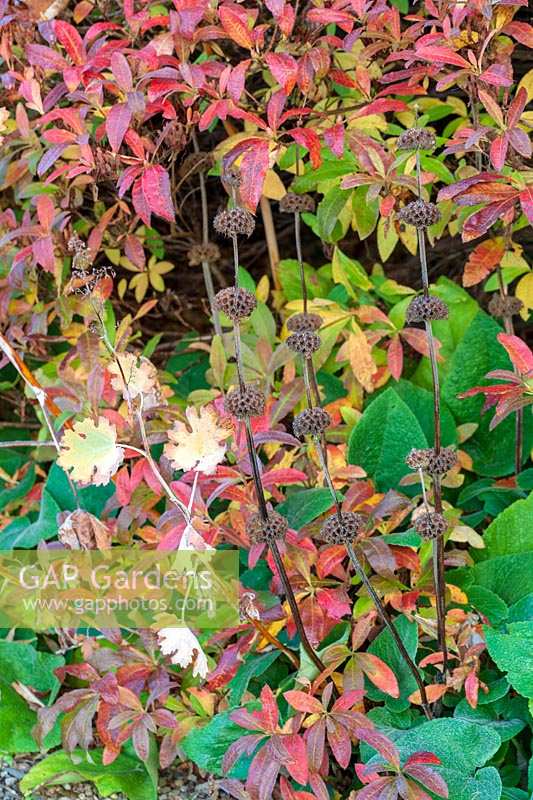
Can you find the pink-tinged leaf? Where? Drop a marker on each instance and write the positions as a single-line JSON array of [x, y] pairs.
[[449, 192], [417, 339], [379, 673], [116, 124], [348, 699], [69, 37], [497, 75], [262, 774], [293, 756], [156, 189], [491, 106], [471, 687], [45, 211], [520, 31], [309, 139], [134, 250], [288, 793], [481, 221], [303, 702], [334, 602], [234, 20], [246, 720], [422, 757], [329, 559], [516, 109], [334, 138], [518, 352], [526, 201], [498, 151], [40, 56], [275, 107], [376, 789], [442, 55], [315, 738], [254, 167], [326, 16], [434, 692], [520, 141], [483, 259], [139, 202], [339, 741], [384, 746], [395, 358], [428, 778], [122, 72], [43, 252], [245, 745], [284, 68], [269, 711], [236, 82], [381, 106]]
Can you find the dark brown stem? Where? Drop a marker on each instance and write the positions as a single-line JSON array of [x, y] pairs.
[[263, 630], [387, 621], [519, 414]]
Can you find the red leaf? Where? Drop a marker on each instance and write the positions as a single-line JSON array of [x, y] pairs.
[[334, 138], [520, 31], [498, 151], [518, 352], [516, 109], [303, 702], [156, 189], [526, 201], [379, 673], [480, 222], [384, 746], [294, 756], [236, 80], [309, 139], [71, 41], [45, 211], [284, 68], [116, 124], [442, 55], [339, 741], [395, 358], [139, 202], [422, 757], [269, 712], [428, 778], [381, 106], [43, 252], [315, 738], [471, 687], [482, 260], [254, 166], [348, 699], [262, 775], [45, 57], [449, 192], [122, 72], [434, 692], [234, 20], [497, 75]]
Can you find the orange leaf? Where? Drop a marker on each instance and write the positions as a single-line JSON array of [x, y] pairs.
[[434, 693], [482, 261]]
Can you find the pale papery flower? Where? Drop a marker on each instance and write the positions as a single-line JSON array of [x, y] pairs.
[[182, 646], [198, 446], [140, 378]]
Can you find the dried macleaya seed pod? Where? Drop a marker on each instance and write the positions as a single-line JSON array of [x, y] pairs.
[[424, 309], [196, 163], [203, 252], [292, 203], [504, 306], [419, 213], [234, 222], [275, 526], [311, 421], [304, 322], [431, 525], [304, 342], [343, 530], [235, 302], [246, 401], [416, 139]]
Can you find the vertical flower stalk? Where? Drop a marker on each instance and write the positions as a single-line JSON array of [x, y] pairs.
[[341, 527], [426, 308], [246, 401]]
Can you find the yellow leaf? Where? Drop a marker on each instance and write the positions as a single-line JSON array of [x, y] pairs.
[[464, 533], [113, 255], [387, 238], [527, 83], [456, 594], [263, 289], [162, 267], [466, 430], [90, 452], [357, 351], [524, 292], [273, 187], [157, 282], [122, 286]]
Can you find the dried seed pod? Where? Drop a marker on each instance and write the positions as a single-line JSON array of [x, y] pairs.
[[235, 302], [342, 530], [203, 252], [417, 458], [304, 342], [440, 463], [424, 309], [311, 421], [431, 525], [245, 401], [292, 203], [275, 526], [196, 163], [416, 139], [419, 213], [504, 306], [234, 222], [304, 322]]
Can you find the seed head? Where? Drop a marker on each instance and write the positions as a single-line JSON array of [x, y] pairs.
[[417, 458], [424, 309], [275, 526], [203, 252], [504, 306], [292, 203], [234, 222], [196, 163], [419, 213], [235, 302], [304, 342], [432, 462], [304, 322], [311, 421], [431, 525], [416, 139], [247, 401], [343, 530]]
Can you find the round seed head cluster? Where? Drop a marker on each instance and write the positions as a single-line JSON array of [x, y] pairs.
[[431, 525], [304, 322], [275, 526], [424, 309], [430, 461], [416, 139], [196, 163], [203, 252], [311, 421], [234, 222], [343, 530], [235, 302], [419, 213], [504, 306], [304, 342], [245, 401], [417, 458], [292, 203]]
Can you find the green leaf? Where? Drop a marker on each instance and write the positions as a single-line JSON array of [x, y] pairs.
[[349, 273], [289, 275], [420, 401], [383, 437], [365, 213], [511, 531], [327, 171], [126, 774], [10, 494], [488, 718], [263, 323], [509, 577], [329, 210], [385, 647], [207, 746], [20, 661], [254, 666], [490, 605], [513, 653], [303, 507]]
